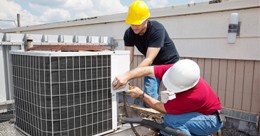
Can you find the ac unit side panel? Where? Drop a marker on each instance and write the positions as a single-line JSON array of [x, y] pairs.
[[120, 63], [3, 95]]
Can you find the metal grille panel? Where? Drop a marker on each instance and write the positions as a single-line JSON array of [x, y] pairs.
[[62, 95]]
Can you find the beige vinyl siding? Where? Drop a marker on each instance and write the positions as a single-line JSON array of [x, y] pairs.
[[230, 83], [238, 86], [255, 106], [236, 82]]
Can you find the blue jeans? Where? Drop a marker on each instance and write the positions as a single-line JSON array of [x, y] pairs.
[[193, 123], [152, 86]]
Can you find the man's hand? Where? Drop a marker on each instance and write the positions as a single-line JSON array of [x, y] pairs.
[[135, 92], [119, 82], [153, 103]]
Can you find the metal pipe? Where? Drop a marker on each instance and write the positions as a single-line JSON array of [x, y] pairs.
[[18, 20], [153, 124], [131, 124]]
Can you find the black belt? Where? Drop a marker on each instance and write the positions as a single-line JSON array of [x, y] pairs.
[[216, 113], [219, 115]]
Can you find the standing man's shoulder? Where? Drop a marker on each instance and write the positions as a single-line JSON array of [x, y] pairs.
[[129, 34], [156, 24], [129, 37], [128, 31]]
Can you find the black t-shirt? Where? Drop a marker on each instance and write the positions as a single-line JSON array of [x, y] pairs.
[[156, 37]]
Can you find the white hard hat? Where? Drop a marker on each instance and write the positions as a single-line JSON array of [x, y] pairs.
[[182, 76]]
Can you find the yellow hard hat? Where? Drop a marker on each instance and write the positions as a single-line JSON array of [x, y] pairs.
[[138, 12]]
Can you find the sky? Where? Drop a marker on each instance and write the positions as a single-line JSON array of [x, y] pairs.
[[33, 12]]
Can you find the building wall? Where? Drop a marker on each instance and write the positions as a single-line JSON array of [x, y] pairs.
[[198, 30]]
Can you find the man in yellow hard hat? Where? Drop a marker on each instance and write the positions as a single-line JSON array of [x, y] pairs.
[[151, 39]]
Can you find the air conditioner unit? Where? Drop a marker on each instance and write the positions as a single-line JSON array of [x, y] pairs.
[[66, 93]]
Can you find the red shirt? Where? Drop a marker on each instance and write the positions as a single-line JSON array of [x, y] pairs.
[[200, 98]]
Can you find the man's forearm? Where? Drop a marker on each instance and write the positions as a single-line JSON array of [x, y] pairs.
[[145, 62], [155, 104], [121, 80], [131, 50], [140, 72]]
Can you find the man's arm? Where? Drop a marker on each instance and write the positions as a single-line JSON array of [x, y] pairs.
[[131, 49], [150, 56], [121, 80], [153, 103]]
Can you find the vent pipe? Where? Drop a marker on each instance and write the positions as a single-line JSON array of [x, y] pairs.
[[18, 20]]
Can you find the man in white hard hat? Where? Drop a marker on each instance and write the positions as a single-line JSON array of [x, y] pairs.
[[194, 108]]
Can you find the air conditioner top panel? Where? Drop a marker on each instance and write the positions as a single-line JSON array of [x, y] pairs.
[[85, 53]]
